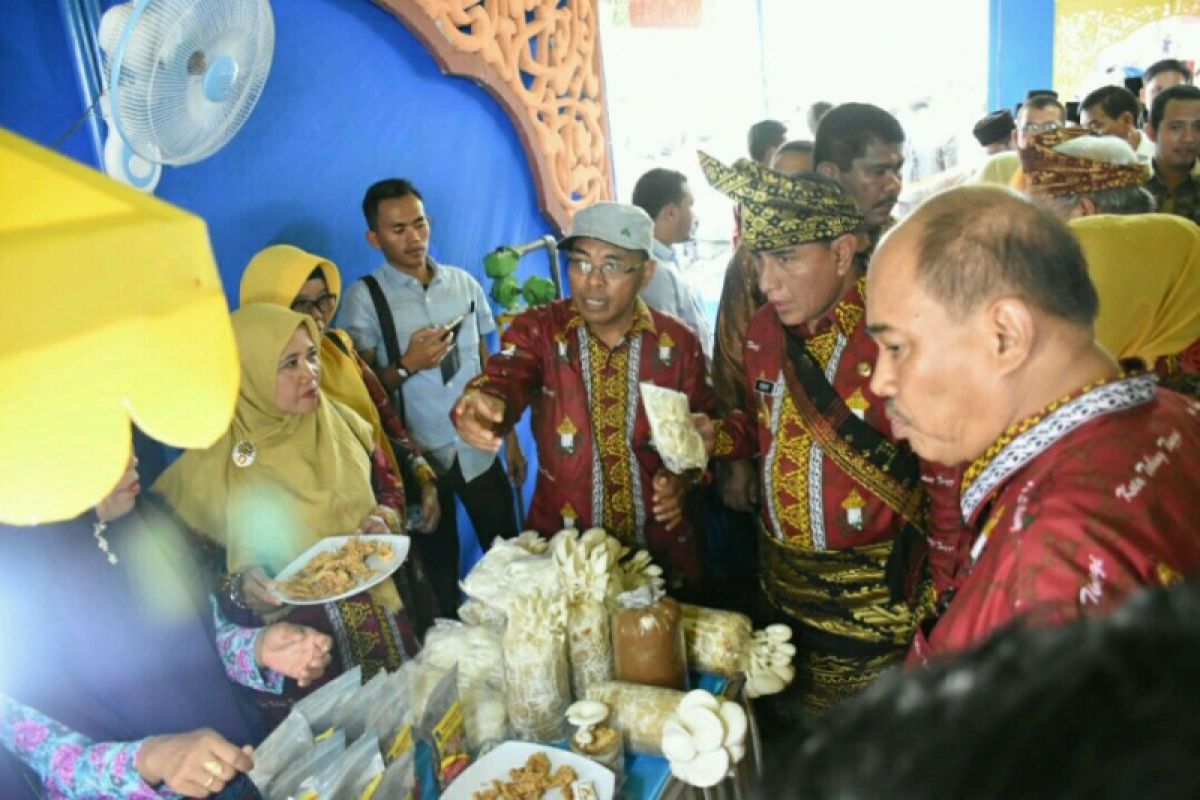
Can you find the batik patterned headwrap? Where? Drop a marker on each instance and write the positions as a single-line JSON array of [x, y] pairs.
[[1056, 174], [782, 211]]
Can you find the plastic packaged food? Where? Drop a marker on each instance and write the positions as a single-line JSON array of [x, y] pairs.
[[536, 669], [510, 569], [323, 754], [583, 573], [322, 707], [290, 740], [348, 776], [442, 728], [638, 712], [717, 641], [648, 640], [674, 434], [479, 655]]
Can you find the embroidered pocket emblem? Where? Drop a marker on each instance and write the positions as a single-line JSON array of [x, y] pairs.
[[568, 516], [566, 437], [666, 347], [858, 404], [854, 505]]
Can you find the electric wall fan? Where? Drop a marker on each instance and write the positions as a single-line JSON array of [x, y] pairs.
[[181, 77]]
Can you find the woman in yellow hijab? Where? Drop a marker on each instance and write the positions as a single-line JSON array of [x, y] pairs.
[[1146, 269], [309, 284], [293, 467]]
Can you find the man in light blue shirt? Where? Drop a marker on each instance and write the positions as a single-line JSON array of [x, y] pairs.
[[440, 317], [665, 196]]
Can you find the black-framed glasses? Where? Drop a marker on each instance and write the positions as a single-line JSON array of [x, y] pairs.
[[608, 270], [326, 303]]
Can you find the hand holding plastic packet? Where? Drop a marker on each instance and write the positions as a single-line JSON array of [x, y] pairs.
[[672, 430]]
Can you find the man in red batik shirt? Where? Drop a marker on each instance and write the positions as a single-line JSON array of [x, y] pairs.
[[577, 363], [1081, 480], [845, 511]]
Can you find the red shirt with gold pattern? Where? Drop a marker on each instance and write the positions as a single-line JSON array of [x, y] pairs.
[[595, 460], [846, 511], [1075, 508], [810, 500]]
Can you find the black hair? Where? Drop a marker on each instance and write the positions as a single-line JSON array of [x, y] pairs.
[[816, 113], [388, 189], [1182, 91], [804, 146], [763, 136], [847, 130], [1114, 100], [317, 273], [1039, 101], [1100, 708], [1167, 65], [657, 189]]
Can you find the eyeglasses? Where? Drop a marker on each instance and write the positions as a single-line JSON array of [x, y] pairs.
[[1040, 127], [326, 303], [608, 270]]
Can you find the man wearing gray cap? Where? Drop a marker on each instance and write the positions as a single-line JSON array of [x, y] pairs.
[[578, 363]]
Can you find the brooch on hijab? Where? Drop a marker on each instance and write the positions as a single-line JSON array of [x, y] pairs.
[[244, 453], [98, 528]]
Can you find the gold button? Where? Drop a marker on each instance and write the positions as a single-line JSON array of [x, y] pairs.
[[864, 368]]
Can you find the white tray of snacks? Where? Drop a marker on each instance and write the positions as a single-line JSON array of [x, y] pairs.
[[545, 772], [340, 566]]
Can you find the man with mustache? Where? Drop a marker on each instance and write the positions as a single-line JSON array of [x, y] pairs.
[[1081, 479], [578, 362], [861, 147], [844, 510], [1175, 128]]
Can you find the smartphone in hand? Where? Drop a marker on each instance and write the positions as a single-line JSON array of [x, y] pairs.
[[452, 327]]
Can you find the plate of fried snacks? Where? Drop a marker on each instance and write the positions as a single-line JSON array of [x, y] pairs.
[[524, 771], [340, 566]]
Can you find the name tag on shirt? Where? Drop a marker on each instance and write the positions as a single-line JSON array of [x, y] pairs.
[[764, 386]]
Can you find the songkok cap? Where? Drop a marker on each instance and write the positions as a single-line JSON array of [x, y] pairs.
[[1049, 172], [780, 210], [995, 127], [615, 223]]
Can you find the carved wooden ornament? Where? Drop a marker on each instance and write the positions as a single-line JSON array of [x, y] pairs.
[[541, 60]]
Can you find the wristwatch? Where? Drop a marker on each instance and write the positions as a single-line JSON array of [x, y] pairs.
[[404, 374]]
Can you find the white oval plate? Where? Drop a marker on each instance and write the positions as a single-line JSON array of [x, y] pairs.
[[495, 764], [383, 567]]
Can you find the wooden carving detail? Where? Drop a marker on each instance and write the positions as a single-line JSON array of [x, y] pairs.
[[541, 60]]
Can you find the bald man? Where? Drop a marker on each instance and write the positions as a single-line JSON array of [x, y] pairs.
[[1080, 481]]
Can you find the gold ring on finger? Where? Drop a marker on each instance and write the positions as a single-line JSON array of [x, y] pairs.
[[208, 783], [212, 767]]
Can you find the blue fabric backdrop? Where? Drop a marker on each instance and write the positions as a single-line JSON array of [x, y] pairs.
[[352, 97]]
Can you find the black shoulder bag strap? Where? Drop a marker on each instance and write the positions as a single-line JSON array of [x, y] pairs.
[[387, 324], [892, 474]]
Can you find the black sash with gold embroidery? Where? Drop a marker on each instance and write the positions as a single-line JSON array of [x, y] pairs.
[[889, 472]]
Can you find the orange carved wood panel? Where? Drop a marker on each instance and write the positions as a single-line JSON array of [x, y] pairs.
[[541, 60]]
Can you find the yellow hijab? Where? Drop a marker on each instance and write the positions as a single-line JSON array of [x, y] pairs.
[[275, 275], [1146, 269], [310, 474]]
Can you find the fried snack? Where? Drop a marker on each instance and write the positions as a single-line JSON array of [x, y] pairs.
[[531, 782], [336, 571]]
